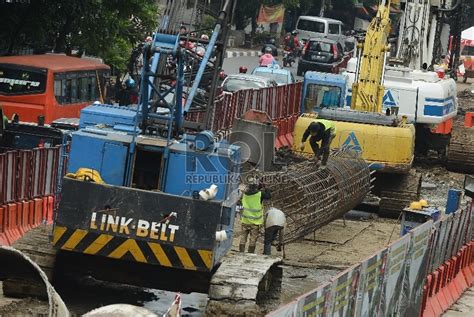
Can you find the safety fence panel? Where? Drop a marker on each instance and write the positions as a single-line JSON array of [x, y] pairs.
[[344, 292], [421, 274], [26, 174], [315, 303], [370, 284], [394, 274], [412, 291]]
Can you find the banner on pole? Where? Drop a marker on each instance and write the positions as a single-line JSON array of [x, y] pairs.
[[271, 14]]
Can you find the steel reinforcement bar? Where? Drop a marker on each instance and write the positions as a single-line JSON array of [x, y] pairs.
[[312, 197]]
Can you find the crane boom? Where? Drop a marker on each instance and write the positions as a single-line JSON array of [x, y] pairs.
[[368, 90]]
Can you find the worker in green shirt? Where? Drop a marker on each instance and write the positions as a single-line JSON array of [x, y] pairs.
[[252, 214]]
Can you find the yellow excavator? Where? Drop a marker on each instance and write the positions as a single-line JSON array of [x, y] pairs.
[[384, 139]]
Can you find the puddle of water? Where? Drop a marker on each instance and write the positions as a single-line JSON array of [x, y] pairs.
[[193, 304]]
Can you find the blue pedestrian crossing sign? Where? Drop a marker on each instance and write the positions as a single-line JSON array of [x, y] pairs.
[[388, 100], [352, 143]]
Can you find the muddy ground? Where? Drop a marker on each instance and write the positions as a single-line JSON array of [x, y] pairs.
[[307, 263]]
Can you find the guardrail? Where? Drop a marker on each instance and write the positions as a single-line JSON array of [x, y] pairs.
[[421, 273], [282, 104]]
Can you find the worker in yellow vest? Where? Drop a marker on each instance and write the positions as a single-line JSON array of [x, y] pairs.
[[320, 130], [252, 214]]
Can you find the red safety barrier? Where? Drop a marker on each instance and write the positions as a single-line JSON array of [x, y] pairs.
[[38, 214], [469, 119], [49, 215], [282, 105], [444, 127], [3, 237]]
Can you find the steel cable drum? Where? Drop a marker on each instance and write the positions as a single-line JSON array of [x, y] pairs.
[[312, 197]]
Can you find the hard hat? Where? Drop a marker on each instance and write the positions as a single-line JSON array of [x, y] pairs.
[[96, 102], [415, 205], [423, 203], [268, 49], [222, 75], [272, 41], [242, 69], [205, 37], [130, 83], [294, 32]]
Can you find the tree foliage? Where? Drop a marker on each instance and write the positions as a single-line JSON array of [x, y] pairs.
[[103, 28]]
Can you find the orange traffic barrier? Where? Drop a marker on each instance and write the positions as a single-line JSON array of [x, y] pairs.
[[31, 213], [12, 232], [469, 119], [466, 251], [459, 279], [3, 237], [439, 295], [444, 127], [443, 272], [432, 305], [38, 214], [49, 216]]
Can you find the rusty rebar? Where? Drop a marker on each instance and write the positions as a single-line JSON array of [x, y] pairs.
[[311, 197]]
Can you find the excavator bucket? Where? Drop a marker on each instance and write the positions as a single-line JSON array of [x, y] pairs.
[[387, 148]]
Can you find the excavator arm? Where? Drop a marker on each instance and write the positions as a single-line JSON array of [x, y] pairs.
[[368, 90]]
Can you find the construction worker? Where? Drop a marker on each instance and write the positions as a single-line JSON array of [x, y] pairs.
[[252, 214], [129, 95], [320, 130], [275, 221]]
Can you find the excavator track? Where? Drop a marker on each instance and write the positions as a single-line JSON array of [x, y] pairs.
[[243, 284], [36, 245], [397, 191], [460, 156]]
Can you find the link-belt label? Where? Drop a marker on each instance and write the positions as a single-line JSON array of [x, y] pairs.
[[155, 230]]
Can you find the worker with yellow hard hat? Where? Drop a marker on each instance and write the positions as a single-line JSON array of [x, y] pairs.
[[320, 130]]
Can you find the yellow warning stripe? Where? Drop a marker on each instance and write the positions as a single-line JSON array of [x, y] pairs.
[[185, 258], [100, 241], [160, 254], [206, 257], [131, 246], [58, 233], [98, 244], [74, 239]]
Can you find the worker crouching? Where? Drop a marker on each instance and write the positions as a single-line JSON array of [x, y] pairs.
[[252, 214], [275, 221], [320, 130]]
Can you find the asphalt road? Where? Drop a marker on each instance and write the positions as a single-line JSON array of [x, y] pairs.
[[231, 65]]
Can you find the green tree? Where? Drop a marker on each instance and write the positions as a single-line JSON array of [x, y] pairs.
[[104, 28]]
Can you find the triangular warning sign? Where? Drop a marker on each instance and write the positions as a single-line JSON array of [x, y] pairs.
[[388, 99], [352, 143]]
